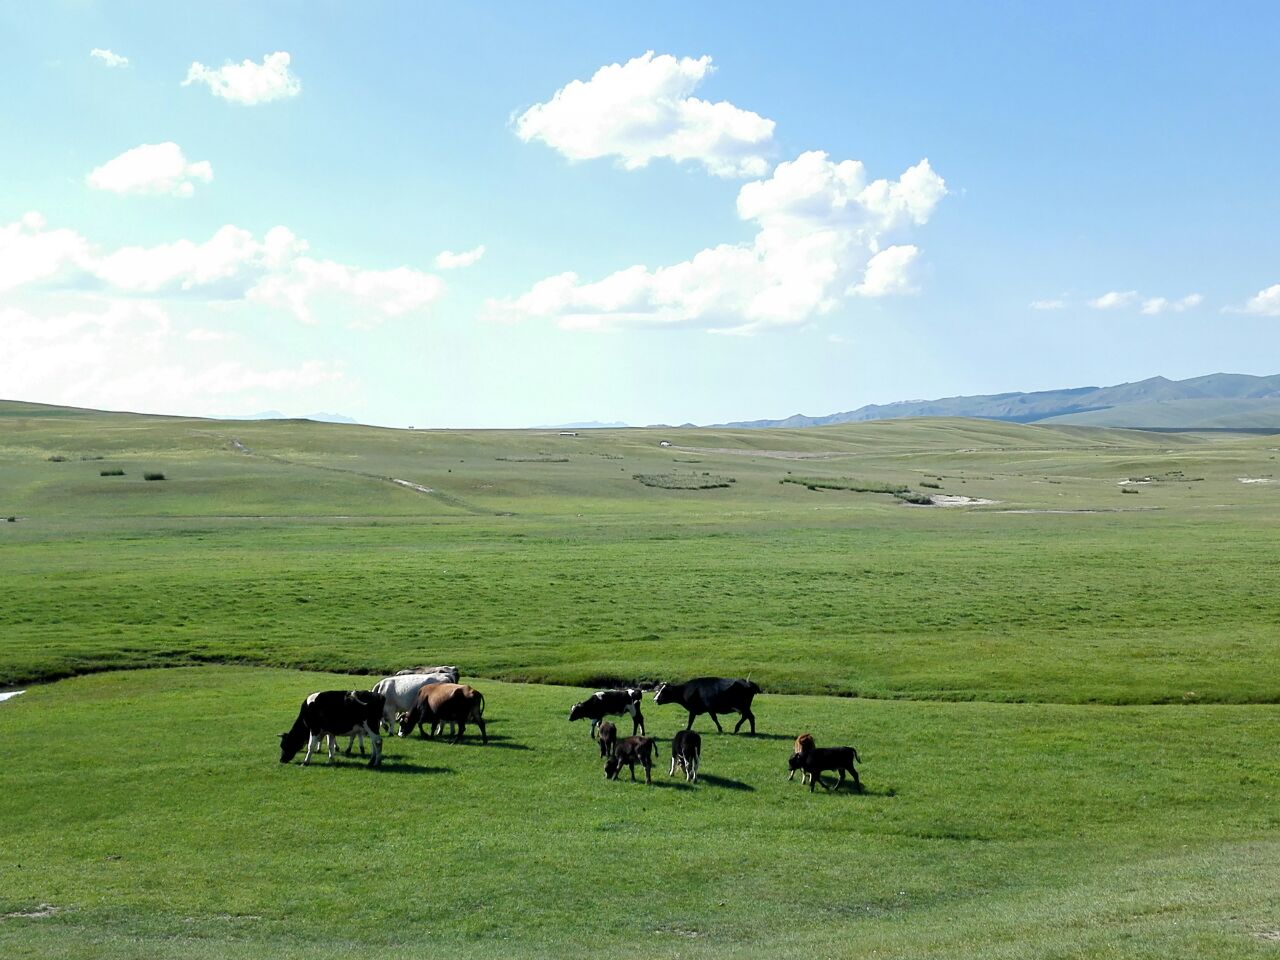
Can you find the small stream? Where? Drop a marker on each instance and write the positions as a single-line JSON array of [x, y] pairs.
[[8, 694]]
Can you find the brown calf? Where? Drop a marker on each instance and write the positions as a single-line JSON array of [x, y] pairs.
[[607, 734], [631, 751]]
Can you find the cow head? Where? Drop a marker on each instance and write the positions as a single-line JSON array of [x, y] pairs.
[[291, 743], [409, 721], [796, 762], [611, 768], [575, 712], [659, 694]]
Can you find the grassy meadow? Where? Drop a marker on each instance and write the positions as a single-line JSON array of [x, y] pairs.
[[1066, 698]]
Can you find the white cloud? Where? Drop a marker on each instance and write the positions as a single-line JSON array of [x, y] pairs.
[[109, 58], [448, 260], [1114, 300], [1265, 303], [233, 264], [820, 227], [1157, 305], [248, 82], [888, 272], [127, 355], [152, 168], [642, 110], [1048, 304]]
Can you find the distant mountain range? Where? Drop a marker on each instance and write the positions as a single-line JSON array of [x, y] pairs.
[[1219, 401]]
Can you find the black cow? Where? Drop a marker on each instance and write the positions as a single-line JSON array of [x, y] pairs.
[[826, 758], [610, 703], [631, 751], [332, 714], [711, 695], [686, 753]]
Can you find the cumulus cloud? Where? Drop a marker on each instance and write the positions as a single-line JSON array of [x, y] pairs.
[[1265, 303], [248, 82], [152, 168], [109, 58], [1114, 300], [642, 110], [1048, 304], [233, 264], [821, 228], [448, 260], [128, 354], [1157, 305]]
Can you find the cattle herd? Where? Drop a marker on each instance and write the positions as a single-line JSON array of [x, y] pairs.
[[430, 698]]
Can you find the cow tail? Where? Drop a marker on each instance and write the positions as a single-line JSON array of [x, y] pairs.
[[480, 710], [855, 754]]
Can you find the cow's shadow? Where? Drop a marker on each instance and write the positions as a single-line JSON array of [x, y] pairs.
[[497, 741], [713, 781]]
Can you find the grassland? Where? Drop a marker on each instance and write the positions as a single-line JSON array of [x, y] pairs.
[[1066, 700]]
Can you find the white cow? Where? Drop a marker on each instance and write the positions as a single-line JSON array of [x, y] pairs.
[[401, 692]]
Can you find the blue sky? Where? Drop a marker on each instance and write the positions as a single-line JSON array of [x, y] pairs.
[[698, 234]]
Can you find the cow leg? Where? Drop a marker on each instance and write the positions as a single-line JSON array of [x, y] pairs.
[[484, 734], [791, 776], [747, 715], [637, 723], [716, 721], [857, 781], [648, 775], [672, 771], [457, 737], [595, 726], [311, 746], [333, 748], [375, 739], [689, 725], [840, 782], [693, 772]]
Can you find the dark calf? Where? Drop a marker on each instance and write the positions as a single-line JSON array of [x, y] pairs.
[[631, 751], [686, 753], [608, 737], [827, 758]]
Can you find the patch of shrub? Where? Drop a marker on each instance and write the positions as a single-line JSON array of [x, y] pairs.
[[683, 481], [91, 458], [113, 472], [57, 458], [533, 459], [153, 476], [1129, 490], [919, 499], [931, 486], [847, 483]]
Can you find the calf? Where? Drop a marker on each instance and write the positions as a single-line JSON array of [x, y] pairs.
[[610, 703], [686, 752], [608, 737], [334, 713], [441, 703], [804, 744], [631, 751], [711, 695], [827, 758]]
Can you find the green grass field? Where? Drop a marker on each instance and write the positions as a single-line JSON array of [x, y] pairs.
[[1066, 699]]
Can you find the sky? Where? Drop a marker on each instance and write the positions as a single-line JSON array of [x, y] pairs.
[[508, 215]]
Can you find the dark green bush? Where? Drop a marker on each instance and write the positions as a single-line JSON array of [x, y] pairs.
[[153, 476]]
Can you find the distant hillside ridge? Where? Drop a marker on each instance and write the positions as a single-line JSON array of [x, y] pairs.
[[1216, 401]]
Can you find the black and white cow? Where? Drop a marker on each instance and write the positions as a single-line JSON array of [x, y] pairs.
[[610, 703], [333, 714], [686, 754], [711, 695]]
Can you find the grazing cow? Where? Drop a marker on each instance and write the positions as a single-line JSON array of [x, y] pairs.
[[686, 752], [711, 695], [631, 751], [610, 703], [827, 758], [452, 672], [441, 703], [401, 692], [332, 714], [608, 737], [804, 744]]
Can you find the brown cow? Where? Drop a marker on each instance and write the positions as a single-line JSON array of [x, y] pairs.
[[804, 745], [607, 734], [441, 703], [631, 751]]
